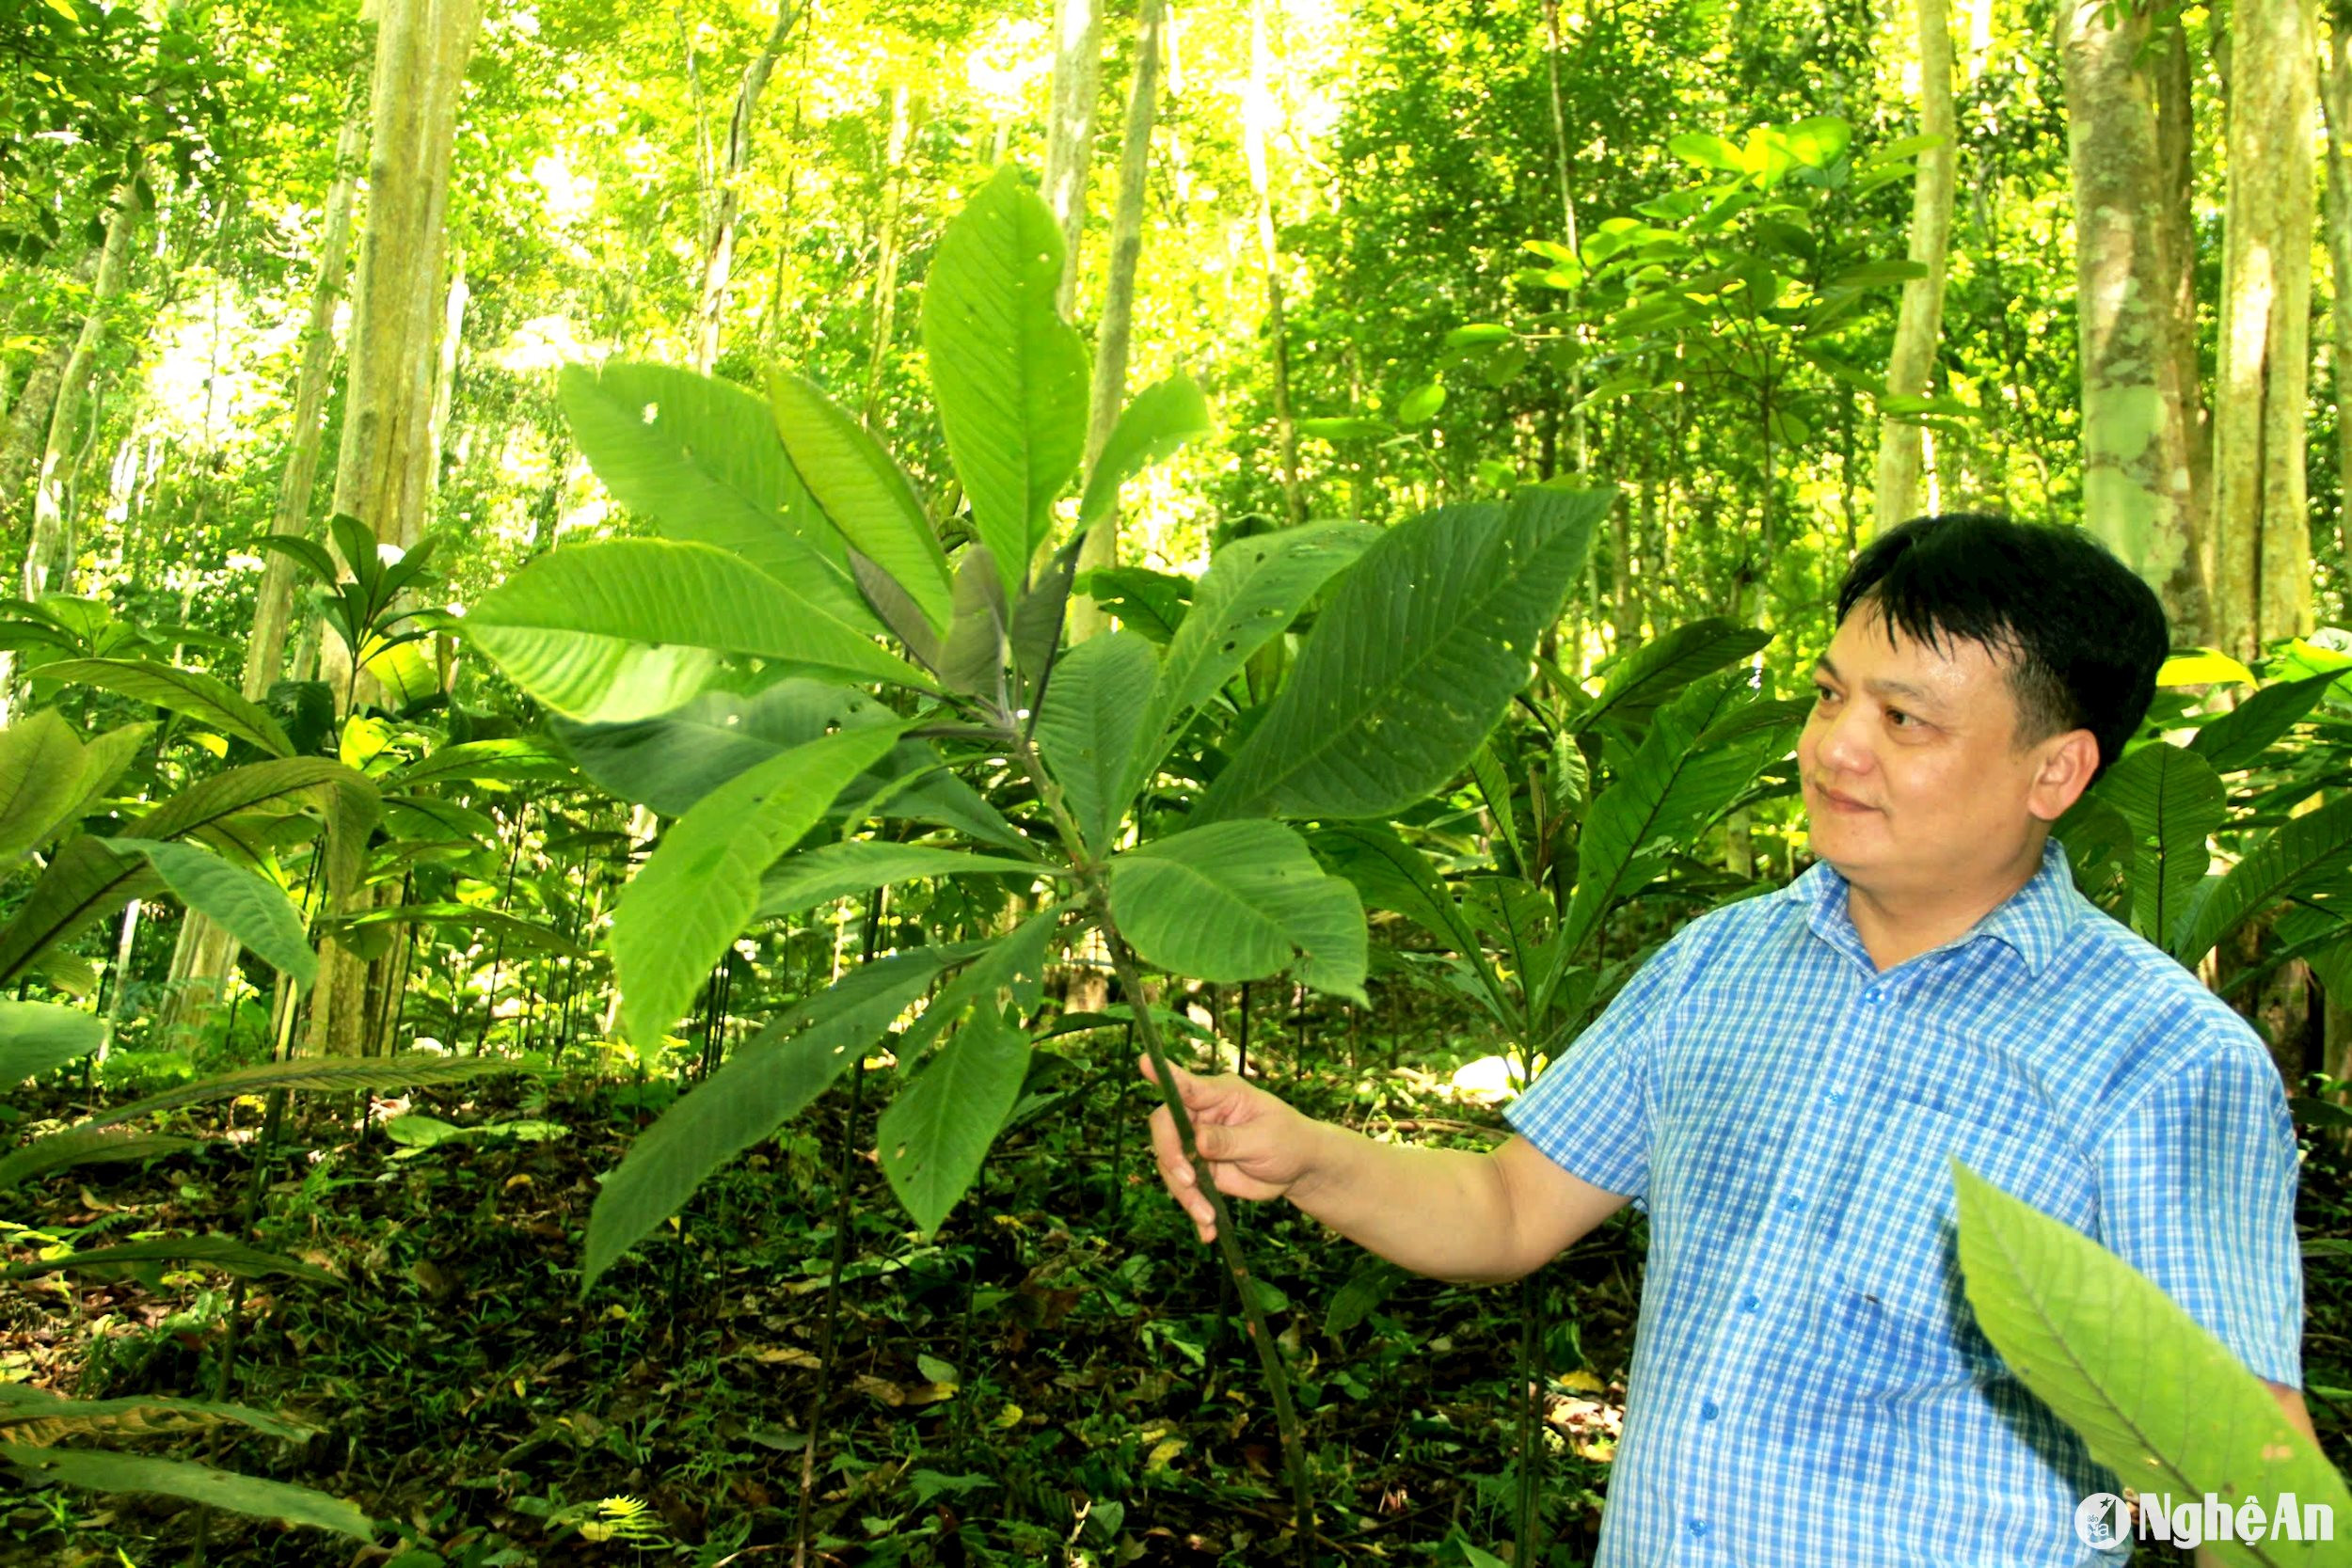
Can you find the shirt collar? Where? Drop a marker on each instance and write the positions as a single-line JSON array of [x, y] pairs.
[[2032, 923]]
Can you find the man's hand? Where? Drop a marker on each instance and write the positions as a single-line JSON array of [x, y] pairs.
[[1255, 1146], [1446, 1213]]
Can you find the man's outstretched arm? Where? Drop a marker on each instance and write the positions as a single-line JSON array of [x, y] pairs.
[[1473, 1218]]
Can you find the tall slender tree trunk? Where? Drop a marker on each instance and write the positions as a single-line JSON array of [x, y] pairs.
[[74, 381], [886, 261], [1069, 130], [1116, 334], [1921, 322], [2262, 583], [2335, 87], [384, 471], [1256, 120], [1574, 392], [718, 240], [264, 655], [28, 421], [2139, 495]]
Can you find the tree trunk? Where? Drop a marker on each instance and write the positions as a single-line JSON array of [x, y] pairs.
[[718, 241], [1070, 129], [2262, 580], [265, 654], [384, 467], [74, 381], [1257, 120], [2335, 87], [886, 261], [28, 421], [1115, 335], [1921, 321], [384, 471], [2138, 493]]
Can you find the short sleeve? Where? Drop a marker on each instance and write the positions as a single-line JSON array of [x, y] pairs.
[[2196, 1191], [1589, 1112]]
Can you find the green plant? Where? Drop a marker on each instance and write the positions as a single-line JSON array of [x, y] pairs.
[[2155, 1397], [745, 637]]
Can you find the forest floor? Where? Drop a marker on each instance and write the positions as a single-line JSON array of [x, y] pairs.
[[1058, 1377]]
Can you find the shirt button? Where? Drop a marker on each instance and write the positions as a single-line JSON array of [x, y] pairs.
[[1707, 1411], [1698, 1527], [1836, 1097], [1749, 1303], [1794, 1204]]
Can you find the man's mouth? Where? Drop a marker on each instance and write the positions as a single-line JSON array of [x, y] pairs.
[[1837, 801]]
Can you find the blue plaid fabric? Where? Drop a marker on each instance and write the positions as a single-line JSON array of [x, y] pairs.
[[1808, 1388]]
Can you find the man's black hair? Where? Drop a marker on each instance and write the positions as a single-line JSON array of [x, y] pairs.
[[2083, 638]]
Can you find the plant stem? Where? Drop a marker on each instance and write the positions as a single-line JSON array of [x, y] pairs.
[[829, 1336], [1228, 1243]]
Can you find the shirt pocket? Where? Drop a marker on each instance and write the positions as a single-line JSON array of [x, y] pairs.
[[1894, 1303]]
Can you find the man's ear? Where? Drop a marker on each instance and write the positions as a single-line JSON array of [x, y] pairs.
[[2066, 764]]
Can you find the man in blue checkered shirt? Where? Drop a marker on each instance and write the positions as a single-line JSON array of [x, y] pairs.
[[1782, 1085]]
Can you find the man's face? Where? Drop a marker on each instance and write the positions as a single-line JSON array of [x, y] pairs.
[[1914, 780]]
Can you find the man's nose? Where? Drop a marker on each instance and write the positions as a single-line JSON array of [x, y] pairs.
[[1844, 746]]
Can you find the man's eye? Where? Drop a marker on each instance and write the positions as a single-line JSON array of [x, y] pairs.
[[1900, 719], [1823, 694]]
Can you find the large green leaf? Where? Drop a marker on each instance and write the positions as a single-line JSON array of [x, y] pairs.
[[467, 917], [225, 1253], [1240, 901], [184, 691], [1094, 708], [2238, 738], [178, 1478], [85, 1142], [40, 1036], [248, 907], [2173, 802], [511, 760], [84, 880], [41, 777], [1010, 375], [103, 759], [935, 1134], [1413, 660], [273, 786], [34, 1417], [632, 627], [2156, 1399], [671, 761], [864, 491], [97, 1146], [1390, 873], [768, 1080], [700, 457], [1674, 787], [692, 898], [830, 871], [1155, 422], [1647, 676], [1253, 589], [2295, 852]]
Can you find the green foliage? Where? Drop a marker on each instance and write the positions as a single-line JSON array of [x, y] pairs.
[[1237, 901], [40, 1036], [935, 1134], [1413, 660], [1010, 373], [680, 912], [2155, 1397], [686, 452], [247, 906], [199, 1483]]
